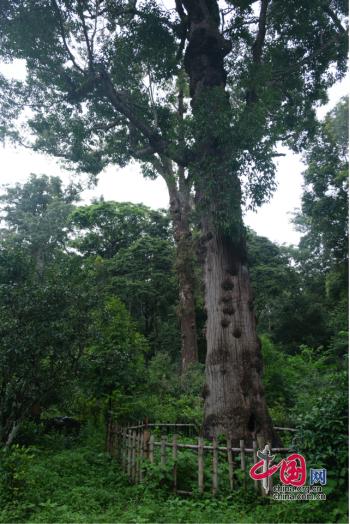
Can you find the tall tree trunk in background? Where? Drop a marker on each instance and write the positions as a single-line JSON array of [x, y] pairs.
[[180, 210], [179, 188], [234, 395]]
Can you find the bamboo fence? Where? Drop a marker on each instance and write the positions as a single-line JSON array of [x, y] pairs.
[[133, 445]]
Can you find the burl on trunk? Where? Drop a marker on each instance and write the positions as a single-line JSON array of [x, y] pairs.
[[234, 394]]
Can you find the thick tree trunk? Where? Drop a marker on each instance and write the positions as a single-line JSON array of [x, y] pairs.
[[234, 396], [179, 210]]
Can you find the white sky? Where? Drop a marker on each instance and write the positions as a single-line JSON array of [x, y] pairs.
[[271, 220]]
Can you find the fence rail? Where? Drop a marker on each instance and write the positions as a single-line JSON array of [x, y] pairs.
[[133, 445]]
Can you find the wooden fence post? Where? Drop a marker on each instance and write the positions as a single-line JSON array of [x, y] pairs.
[[133, 456], [151, 449], [146, 437], [123, 449], [241, 445], [163, 450], [230, 462], [175, 464], [215, 466], [128, 447], [137, 455], [141, 456], [200, 465], [129, 444]]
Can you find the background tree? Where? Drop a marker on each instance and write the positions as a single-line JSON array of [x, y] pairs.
[[101, 89], [113, 359], [61, 330], [274, 280], [131, 255], [103, 228], [43, 300], [323, 249], [324, 218]]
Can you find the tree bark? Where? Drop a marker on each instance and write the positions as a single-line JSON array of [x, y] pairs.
[[179, 189], [234, 395], [179, 210]]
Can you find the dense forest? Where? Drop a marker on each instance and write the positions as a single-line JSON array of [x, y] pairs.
[[113, 312], [89, 300]]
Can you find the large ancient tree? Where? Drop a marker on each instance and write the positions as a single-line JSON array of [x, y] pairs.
[[201, 95]]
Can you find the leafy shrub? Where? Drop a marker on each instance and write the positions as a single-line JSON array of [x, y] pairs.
[[323, 431], [164, 396], [84, 485], [14, 465]]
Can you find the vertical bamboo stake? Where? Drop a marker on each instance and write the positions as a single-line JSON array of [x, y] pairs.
[[255, 460], [241, 445], [215, 466], [131, 449], [125, 450], [163, 451], [137, 455], [128, 448], [121, 447], [151, 449], [175, 464], [200, 465], [146, 436], [133, 456], [141, 456], [123, 456], [230, 462]]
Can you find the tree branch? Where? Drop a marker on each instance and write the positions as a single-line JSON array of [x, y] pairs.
[[97, 3], [150, 89], [281, 72], [60, 21], [257, 48], [80, 11], [107, 127], [258, 45], [181, 12], [123, 106], [143, 154], [335, 19]]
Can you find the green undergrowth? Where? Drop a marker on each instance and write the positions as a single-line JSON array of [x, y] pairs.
[[67, 481]]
